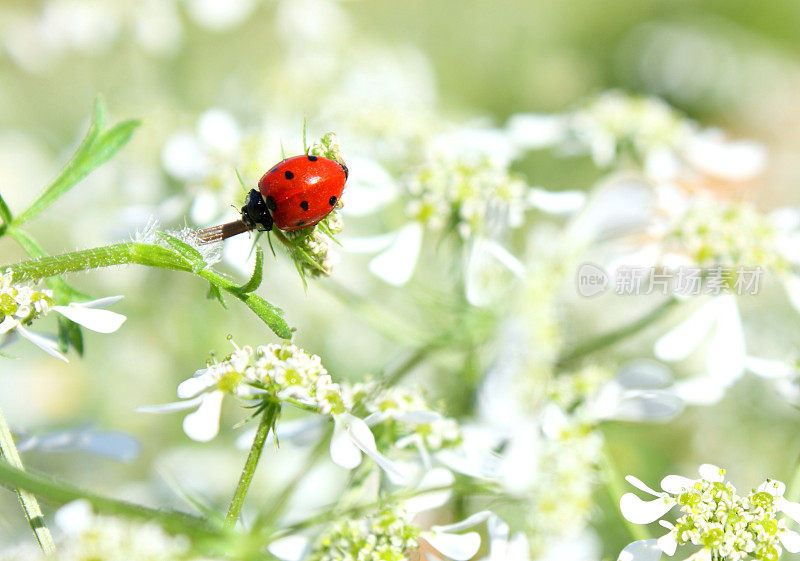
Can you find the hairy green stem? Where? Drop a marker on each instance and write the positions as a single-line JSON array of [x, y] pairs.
[[30, 506], [106, 256], [267, 423], [613, 337]]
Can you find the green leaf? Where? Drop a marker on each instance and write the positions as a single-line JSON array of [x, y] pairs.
[[58, 492], [5, 212], [194, 257], [69, 335], [97, 147], [258, 272], [215, 294], [269, 314]]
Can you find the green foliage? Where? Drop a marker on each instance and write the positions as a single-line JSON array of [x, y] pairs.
[[97, 147]]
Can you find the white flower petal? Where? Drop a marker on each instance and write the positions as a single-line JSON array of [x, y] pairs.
[[101, 321], [533, 130], [676, 484], [735, 161], [642, 550], [790, 540], [655, 405], [102, 302], [682, 339], [45, 343], [726, 352], [712, 473], [644, 374], [290, 548], [555, 202], [421, 417], [773, 487], [643, 512], [668, 544], [790, 509], [396, 265], [362, 437], [344, 452], [768, 368], [703, 390], [200, 382], [468, 522], [641, 485], [460, 547], [74, 517], [203, 424], [433, 479], [369, 187], [170, 407]]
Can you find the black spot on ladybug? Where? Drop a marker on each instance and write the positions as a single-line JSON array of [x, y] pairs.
[[288, 175], [332, 201], [271, 203], [304, 205], [312, 158], [300, 223]]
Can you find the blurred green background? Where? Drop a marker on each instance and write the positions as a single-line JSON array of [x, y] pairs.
[[735, 64]]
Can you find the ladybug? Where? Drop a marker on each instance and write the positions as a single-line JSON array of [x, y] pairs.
[[295, 194], [301, 191]]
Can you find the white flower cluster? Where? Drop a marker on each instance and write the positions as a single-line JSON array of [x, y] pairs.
[[403, 416], [715, 518], [614, 121], [21, 305], [90, 537], [280, 372], [386, 535], [470, 195], [713, 232]]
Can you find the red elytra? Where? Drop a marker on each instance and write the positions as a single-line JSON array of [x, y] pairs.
[[302, 190]]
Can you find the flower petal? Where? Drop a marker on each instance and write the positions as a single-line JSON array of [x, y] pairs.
[[396, 265], [74, 517], [421, 417], [170, 407], [642, 550], [676, 484], [460, 547], [344, 452], [767, 368], [682, 339], [790, 509], [290, 548], [101, 321], [654, 405], [667, 543], [790, 540], [639, 511], [203, 424], [102, 302], [726, 352], [45, 343], [362, 437], [556, 202], [433, 479], [194, 385], [773, 487], [712, 473], [468, 522]]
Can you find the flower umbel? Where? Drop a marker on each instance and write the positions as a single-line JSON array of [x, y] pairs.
[[714, 517]]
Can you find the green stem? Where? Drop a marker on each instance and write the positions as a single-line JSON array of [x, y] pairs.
[[58, 492], [106, 256], [30, 506], [267, 423], [615, 491], [613, 337]]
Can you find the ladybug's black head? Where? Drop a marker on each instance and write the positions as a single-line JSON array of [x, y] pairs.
[[255, 213]]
